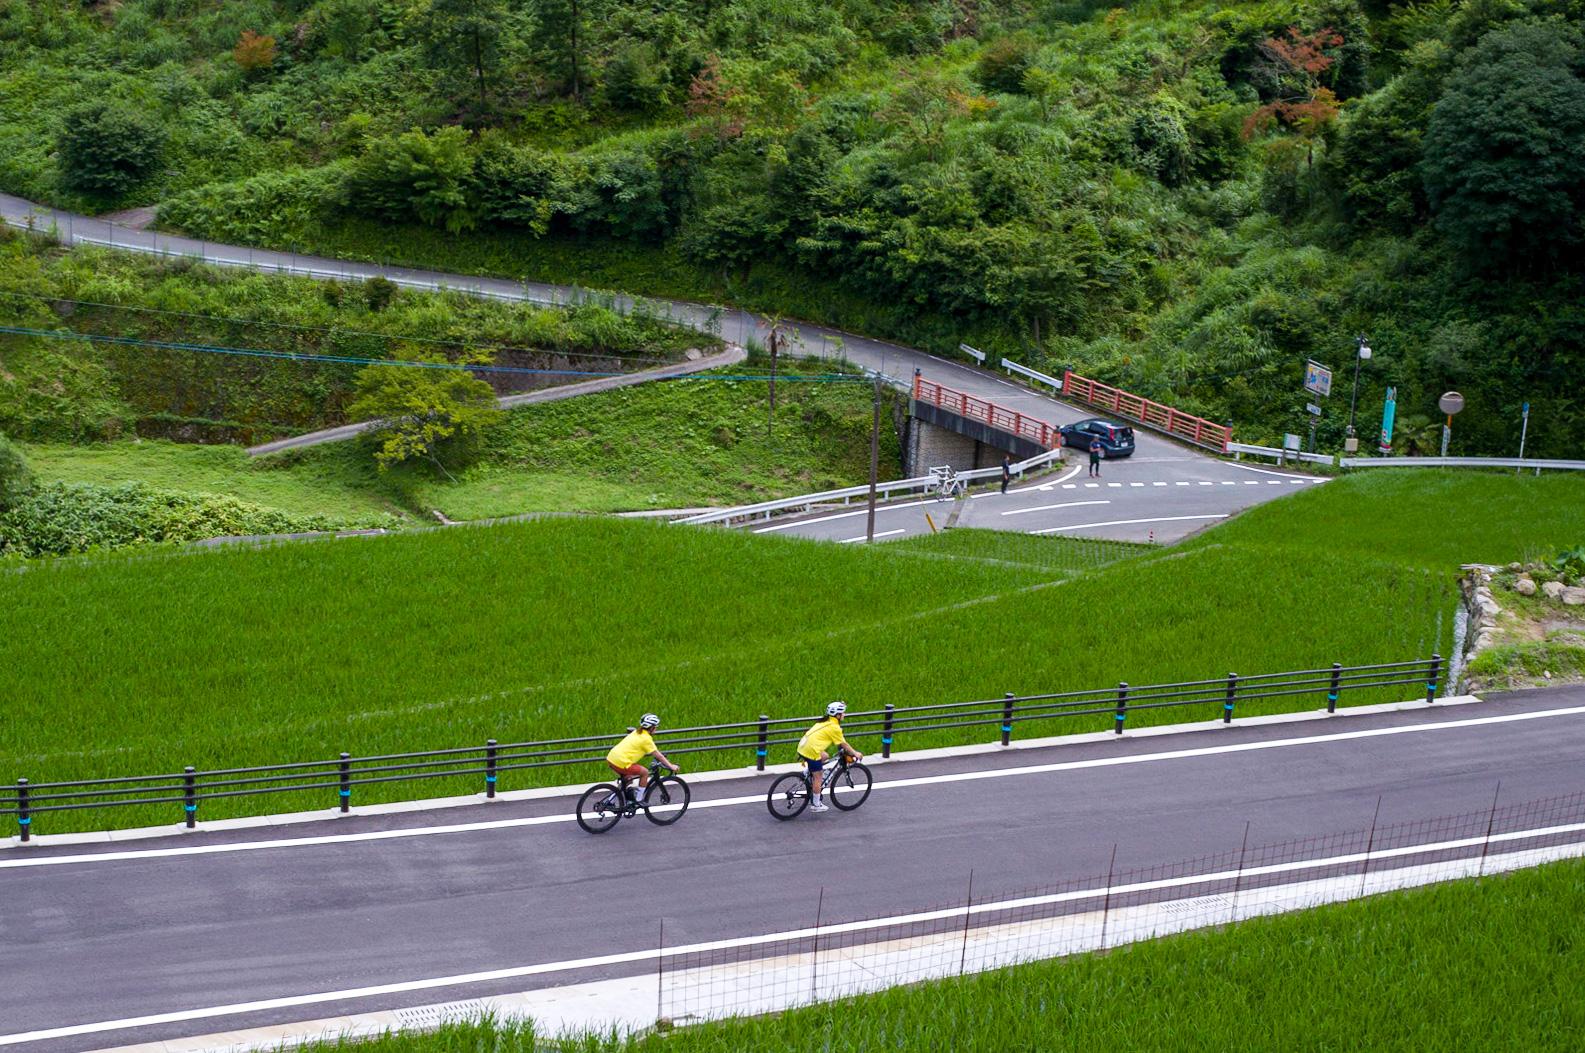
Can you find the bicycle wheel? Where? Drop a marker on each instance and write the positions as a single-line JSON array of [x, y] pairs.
[[850, 787], [788, 797], [600, 808], [670, 795]]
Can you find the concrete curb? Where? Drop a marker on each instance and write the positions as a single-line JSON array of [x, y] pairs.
[[721, 775]]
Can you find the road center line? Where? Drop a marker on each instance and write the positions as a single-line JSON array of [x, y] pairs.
[[759, 798]]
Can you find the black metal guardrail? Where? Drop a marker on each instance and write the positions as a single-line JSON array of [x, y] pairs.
[[191, 787]]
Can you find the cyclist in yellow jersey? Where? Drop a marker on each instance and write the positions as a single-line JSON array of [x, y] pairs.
[[625, 756], [816, 741]]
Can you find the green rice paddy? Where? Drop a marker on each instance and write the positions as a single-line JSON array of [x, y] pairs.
[[143, 664]]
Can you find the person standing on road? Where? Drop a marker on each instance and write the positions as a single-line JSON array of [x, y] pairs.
[[812, 749], [625, 756], [1007, 471], [1096, 449]]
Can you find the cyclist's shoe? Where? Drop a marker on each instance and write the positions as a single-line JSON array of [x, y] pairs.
[[817, 805]]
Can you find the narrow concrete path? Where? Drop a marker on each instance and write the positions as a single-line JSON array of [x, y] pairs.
[[729, 357]]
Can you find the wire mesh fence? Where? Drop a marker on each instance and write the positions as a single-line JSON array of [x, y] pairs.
[[836, 957]]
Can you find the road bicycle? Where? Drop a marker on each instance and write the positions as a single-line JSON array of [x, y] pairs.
[[946, 483], [605, 804], [848, 783]]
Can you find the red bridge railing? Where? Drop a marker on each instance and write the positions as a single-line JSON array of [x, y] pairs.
[[1185, 426], [998, 417]]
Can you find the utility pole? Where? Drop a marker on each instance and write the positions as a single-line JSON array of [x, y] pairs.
[[875, 461]]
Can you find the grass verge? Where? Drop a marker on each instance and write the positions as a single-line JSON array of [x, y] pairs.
[[1497, 963]]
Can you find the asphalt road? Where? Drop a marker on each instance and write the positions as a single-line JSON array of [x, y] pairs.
[[1195, 489], [98, 938]]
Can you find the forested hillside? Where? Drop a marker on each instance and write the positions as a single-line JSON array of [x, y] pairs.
[[1188, 198]]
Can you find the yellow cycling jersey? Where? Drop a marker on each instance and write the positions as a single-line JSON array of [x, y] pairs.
[[820, 738], [635, 747]]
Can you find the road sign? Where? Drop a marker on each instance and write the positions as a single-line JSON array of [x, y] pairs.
[[1317, 378], [1291, 441], [1450, 403], [1312, 409], [1389, 413], [977, 355]]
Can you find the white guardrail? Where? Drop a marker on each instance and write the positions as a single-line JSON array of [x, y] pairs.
[[1460, 462], [1239, 449], [889, 489], [1032, 374]]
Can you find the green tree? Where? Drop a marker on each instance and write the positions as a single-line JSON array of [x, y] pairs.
[[561, 38], [634, 80], [106, 148], [1504, 164], [463, 38], [422, 407]]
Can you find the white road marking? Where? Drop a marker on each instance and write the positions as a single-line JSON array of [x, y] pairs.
[[759, 798], [841, 515], [1267, 471], [1091, 486], [1204, 482], [1070, 486], [1182, 483], [1251, 482], [1114, 485], [651, 954], [1126, 522], [1158, 484], [1047, 508], [1228, 482], [878, 533], [1136, 484], [1273, 482]]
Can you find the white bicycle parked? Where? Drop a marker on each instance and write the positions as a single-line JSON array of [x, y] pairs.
[[946, 483]]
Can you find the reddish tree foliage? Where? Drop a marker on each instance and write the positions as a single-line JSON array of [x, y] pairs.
[[710, 97], [254, 52], [1296, 64]]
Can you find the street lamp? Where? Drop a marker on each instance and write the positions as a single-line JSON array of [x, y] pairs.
[[1362, 352]]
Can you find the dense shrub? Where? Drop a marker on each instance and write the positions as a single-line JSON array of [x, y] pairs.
[[106, 148], [16, 478], [58, 519]]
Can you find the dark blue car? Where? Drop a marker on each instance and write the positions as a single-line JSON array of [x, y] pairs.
[[1117, 440]]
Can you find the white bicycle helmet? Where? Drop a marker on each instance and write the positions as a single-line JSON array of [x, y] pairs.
[[649, 722], [837, 708]]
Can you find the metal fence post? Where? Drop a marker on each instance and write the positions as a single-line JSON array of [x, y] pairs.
[[1232, 690], [1122, 706], [346, 782], [489, 769], [1007, 718], [886, 732], [1432, 677], [190, 796], [24, 818], [1337, 686], [763, 746]]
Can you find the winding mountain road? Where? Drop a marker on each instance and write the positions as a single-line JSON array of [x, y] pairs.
[[1164, 492]]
